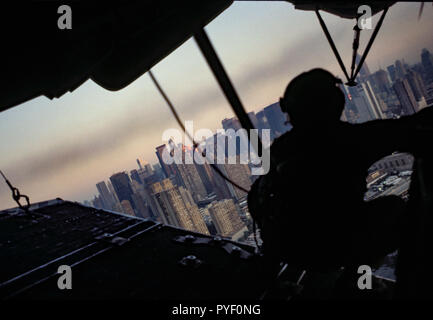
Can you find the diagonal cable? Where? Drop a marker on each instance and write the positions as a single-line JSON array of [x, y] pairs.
[[331, 43]]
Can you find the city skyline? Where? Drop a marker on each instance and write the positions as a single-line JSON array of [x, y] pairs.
[[122, 133], [184, 195]]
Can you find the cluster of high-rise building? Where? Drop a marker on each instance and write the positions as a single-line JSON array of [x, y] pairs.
[[190, 195], [399, 90], [187, 194]]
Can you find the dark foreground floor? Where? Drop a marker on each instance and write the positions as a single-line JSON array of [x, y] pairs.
[[118, 256]]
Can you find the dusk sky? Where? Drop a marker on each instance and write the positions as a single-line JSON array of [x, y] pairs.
[[63, 147]]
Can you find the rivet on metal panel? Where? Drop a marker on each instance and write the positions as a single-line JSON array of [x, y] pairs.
[[190, 261], [189, 238], [217, 240]]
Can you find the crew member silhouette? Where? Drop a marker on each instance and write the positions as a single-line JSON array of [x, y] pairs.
[[310, 207]]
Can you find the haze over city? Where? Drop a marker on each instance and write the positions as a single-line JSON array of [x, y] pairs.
[[61, 148]]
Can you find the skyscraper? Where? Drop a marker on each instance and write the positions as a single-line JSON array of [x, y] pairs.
[[170, 170], [364, 72], [405, 96], [157, 171], [176, 207], [392, 72], [416, 84], [135, 176], [139, 164], [205, 172], [350, 113], [253, 119], [225, 217], [107, 197], [151, 208], [366, 103], [399, 69], [140, 205], [276, 119], [166, 168], [367, 91], [239, 173], [427, 63], [127, 207], [145, 166], [262, 121], [190, 176], [219, 185], [381, 81], [122, 186], [97, 202], [232, 123]]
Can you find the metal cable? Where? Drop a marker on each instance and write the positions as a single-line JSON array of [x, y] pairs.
[[331, 43]]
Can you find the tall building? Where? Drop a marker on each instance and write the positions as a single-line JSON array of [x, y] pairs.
[[135, 176], [205, 172], [97, 202], [225, 217], [224, 190], [372, 101], [140, 201], [140, 205], [364, 72], [232, 123], [157, 171], [127, 207], [193, 211], [190, 175], [151, 208], [416, 84], [218, 184], [366, 102], [176, 207], [145, 166], [400, 69], [253, 119], [233, 135], [276, 119], [113, 193], [239, 173], [350, 110], [427, 63], [392, 72], [262, 121], [405, 96], [381, 80], [107, 197], [168, 169], [192, 181], [122, 186]]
